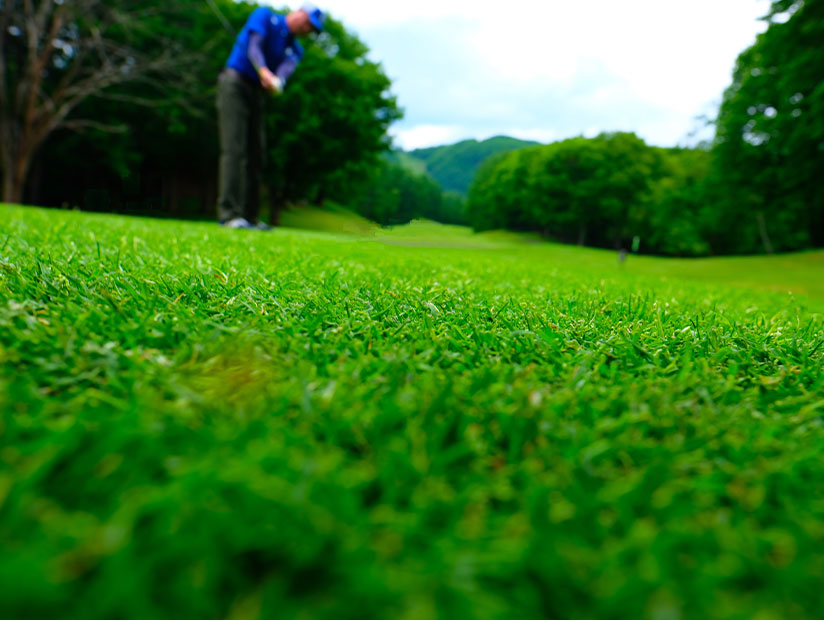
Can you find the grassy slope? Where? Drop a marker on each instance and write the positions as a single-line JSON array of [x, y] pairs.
[[200, 422], [788, 274]]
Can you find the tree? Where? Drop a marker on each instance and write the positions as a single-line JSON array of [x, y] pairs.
[[397, 195], [55, 55], [453, 209], [677, 217], [501, 195], [770, 132], [580, 190]]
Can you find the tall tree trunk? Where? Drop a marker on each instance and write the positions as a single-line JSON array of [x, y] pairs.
[[16, 156], [6, 162], [14, 179], [762, 229], [582, 234], [12, 185]]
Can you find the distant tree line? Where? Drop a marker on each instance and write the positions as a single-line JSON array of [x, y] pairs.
[[601, 192], [756, 188], [397, 194]]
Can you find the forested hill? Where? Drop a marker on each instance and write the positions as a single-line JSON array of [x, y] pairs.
[[454, 165]]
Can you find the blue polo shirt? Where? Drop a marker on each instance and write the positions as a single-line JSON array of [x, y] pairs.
[[281, 49]]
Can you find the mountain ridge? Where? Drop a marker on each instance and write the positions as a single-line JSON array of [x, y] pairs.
[[453, 166]]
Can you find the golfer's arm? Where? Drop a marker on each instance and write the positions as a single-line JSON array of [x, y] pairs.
[[255, 51], [287, 68]]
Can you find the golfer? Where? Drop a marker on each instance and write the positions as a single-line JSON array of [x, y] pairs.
[[265, 54]]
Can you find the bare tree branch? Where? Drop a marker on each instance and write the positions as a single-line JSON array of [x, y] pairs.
[[43, 13], [38, 71], [96, 83], [71, 51], [146, 102], [31, 51], [80, 125]]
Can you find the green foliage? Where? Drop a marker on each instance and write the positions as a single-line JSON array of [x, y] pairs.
[[581, 190], [400, 189], [454, 165], [604, 192], [453, 208], [677, 217], [770, 131], [397, 195], [489, 205], [198, 422], [412, 164]]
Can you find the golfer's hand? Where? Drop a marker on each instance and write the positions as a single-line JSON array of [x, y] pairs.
[[270, 81]]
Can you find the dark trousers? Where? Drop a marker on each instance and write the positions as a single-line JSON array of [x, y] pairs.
[[241, 147]]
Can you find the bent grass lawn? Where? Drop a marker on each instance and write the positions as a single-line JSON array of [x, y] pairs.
[[425, 423]]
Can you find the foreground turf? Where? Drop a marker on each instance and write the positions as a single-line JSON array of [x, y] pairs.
[[202, 423]]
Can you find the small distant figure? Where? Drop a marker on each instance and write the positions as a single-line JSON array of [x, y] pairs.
[[622, 253], [265, 54]]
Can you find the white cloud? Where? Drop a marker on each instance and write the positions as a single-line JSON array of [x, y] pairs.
[[473, 68], [426, 135]]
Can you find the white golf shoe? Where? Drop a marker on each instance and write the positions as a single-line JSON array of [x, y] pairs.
[[238, 222]]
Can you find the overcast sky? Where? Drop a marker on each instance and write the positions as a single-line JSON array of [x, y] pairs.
[[548, 70]]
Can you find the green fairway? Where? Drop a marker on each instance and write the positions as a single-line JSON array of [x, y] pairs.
[[410, 423], [795, 274]]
